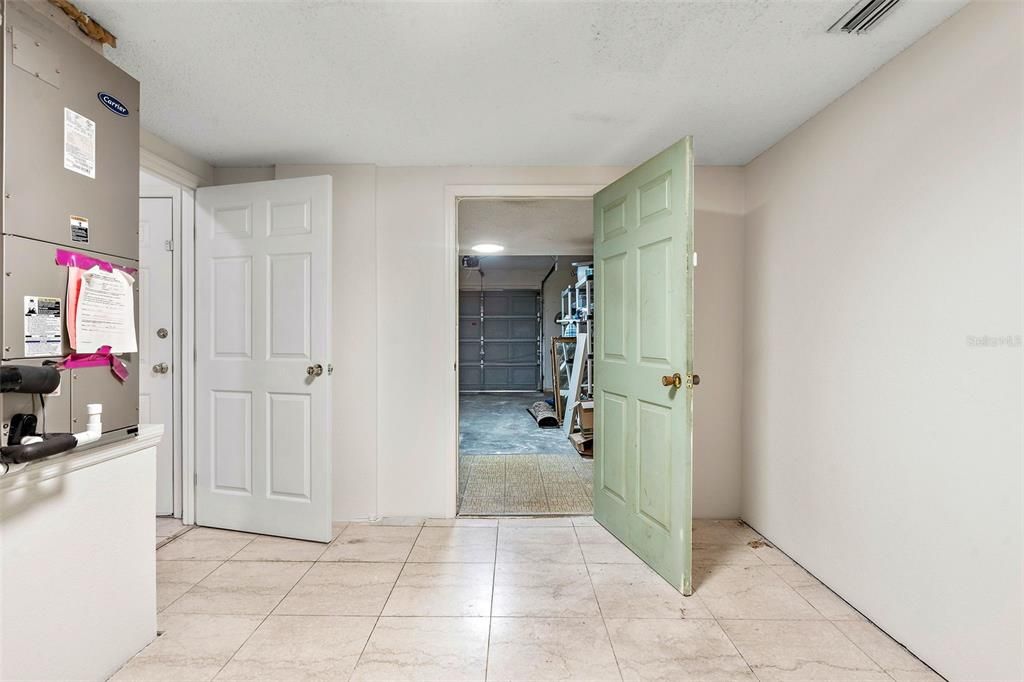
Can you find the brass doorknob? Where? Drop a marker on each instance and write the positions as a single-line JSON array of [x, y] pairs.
[[676, 380]]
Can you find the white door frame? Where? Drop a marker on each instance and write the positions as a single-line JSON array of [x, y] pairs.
[[183, 259], [452, 194]]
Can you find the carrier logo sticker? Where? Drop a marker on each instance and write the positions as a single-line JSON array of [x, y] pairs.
[[112, 103]]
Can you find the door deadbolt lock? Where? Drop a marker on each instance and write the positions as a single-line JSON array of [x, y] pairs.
[[161, 368], [315, 370], [162, 333]]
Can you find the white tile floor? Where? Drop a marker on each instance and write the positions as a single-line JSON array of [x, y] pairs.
[[523, 599]]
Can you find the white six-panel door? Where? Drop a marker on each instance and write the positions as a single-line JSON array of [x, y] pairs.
[[263, 301], [156, 347]]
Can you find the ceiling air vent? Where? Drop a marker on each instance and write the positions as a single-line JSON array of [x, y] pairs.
[[863, 16]]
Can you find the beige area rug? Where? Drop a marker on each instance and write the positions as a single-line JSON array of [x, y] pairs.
[[525, 484]]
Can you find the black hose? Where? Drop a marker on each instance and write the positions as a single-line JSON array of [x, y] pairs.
[[53, 444], [28, 379]]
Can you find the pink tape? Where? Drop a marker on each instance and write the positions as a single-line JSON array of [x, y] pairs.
[[100, 358], [74, 259]]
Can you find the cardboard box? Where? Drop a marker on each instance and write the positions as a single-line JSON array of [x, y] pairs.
[[587, 416]]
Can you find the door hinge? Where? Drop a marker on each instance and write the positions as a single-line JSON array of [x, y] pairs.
[[169, 245], [195, 479]]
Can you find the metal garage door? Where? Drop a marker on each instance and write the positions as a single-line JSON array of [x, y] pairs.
[[499, 338]]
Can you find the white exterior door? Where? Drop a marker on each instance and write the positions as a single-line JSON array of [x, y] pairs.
[[156, 337], [263, 302]]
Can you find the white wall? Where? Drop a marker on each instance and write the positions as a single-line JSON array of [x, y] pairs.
[[882, 449], [177, 156], [233, 175], [414, 409], [718, 341]]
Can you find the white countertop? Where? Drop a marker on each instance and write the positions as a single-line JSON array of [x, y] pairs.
[[73, 460]]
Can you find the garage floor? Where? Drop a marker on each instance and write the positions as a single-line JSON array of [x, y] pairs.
[[508, 465], [498, 424]]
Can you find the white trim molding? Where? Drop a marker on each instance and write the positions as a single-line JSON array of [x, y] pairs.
[[173, 172], [184, 325], [452, 194]]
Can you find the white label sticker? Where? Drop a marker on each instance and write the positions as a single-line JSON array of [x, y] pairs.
[[79, 144], [42, 326], [79, 229]]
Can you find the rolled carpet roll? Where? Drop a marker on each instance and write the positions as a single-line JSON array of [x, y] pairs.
[[544, 414]]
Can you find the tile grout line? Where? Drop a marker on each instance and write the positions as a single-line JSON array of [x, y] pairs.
[[490, 613], [386, 600], [817, 610], [222, 562], [207, 575], [715, 618], [269, 613], [600, 610], [771, 567]]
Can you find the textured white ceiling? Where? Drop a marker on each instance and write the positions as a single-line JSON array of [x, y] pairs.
[[527, 227], [506, 83]]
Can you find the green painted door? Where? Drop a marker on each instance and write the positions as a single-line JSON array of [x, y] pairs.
[[643, 246]]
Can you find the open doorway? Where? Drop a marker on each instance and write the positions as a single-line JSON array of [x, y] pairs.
[[525, 300]]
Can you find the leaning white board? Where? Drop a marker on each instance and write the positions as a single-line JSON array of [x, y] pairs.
[[575, 379]]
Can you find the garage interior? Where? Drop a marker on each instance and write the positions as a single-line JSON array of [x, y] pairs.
[[520, 311]]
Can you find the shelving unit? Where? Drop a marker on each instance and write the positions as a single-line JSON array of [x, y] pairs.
[[578, 316]]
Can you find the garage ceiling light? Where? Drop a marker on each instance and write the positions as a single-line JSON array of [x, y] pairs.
[[488, 248]]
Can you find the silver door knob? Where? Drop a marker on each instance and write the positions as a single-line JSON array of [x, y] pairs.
[[315, 370], [162, 333], [161, 368]]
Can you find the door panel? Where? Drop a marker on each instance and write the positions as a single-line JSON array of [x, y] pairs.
[[262, 420], [643, 244], [156, 295]]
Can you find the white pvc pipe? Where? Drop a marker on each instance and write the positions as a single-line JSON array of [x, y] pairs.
[[94, 427]]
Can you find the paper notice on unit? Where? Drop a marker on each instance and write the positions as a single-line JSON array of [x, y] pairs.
[[79, 143], [42, 326], [105, 314]]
